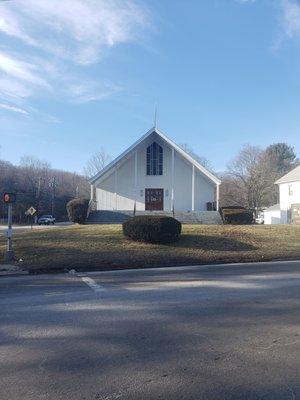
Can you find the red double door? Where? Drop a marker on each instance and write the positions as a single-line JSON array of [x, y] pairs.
[[154, 199]]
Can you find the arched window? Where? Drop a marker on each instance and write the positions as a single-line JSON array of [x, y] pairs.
[[154, 159]]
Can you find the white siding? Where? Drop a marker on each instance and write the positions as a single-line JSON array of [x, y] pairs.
[[183, 184], [125, 183], [105, 195], [287, 199], [272, 217], [204, 191]]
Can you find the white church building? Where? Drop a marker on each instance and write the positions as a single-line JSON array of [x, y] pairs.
[[155, 174]]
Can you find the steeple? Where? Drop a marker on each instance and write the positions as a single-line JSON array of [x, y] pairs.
[[155, 117]]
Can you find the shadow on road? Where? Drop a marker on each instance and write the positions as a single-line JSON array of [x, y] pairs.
[[179, 345]]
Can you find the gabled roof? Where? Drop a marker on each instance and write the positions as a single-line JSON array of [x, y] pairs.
[[292, 176], [183, 153]]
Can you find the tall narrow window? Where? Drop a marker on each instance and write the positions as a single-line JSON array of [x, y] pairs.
[[154, 159]]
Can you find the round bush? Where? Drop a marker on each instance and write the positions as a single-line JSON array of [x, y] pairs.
[[77, 210], [153, 229]]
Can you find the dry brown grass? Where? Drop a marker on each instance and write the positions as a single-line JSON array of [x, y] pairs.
[[104, 247]]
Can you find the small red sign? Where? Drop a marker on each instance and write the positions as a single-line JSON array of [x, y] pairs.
[[9, 197]]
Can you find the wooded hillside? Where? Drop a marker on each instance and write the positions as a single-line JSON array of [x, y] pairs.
[[37, 184]]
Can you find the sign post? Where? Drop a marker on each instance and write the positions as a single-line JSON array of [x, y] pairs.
[[53, 185], [9, 199], [31, 211]]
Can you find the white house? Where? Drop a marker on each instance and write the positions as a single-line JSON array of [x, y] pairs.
[[288, 209], [155, 174], [272, 215]]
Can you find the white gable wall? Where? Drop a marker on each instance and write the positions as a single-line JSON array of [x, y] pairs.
[[124, 183], [204, 191], [182, 184], [116, 192]]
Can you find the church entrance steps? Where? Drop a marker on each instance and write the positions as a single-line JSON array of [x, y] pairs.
[[191, 217]]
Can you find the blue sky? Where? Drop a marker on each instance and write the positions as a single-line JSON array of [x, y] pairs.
[[77, 75]]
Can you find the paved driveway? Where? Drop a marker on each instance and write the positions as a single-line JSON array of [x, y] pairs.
[[217, 332]]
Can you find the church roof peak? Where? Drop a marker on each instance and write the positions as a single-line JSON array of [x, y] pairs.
[[170, 142]]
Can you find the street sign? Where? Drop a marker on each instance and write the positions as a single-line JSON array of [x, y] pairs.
[[30, 211], [9, 197], [9, 233]]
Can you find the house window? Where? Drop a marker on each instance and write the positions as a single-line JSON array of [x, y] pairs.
[[154, 159], [290, 190]]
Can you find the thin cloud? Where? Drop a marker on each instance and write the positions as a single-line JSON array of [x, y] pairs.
[[290, 21], [14, 109], [10, 25], [12, 89], [56, 38], [91, 91], [83, 28], [21, 70]]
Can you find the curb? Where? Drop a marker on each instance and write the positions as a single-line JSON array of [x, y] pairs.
[[10, 269]]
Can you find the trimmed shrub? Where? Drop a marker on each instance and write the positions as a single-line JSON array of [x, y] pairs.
[[237, 216], [233, 208], [153, 229], [77, 210]]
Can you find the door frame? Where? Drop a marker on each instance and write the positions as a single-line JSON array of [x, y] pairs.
[[148, 204]]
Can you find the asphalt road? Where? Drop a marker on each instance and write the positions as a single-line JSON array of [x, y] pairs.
[[217, 332]]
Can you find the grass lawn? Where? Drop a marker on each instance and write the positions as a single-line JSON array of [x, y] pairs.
[[104, 247]]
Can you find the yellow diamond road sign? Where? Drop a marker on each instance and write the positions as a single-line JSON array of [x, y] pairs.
[[31, 211]]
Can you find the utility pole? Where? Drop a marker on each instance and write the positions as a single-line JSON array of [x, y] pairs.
[[38, 198], [53, 185], [9, 199]]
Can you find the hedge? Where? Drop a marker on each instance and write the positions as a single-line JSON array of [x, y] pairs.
[[153, 229], [77, 210], [237, 216]]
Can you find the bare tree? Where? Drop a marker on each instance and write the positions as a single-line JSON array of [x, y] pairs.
[[232, 191], [252, 176], [201, 160], [34, 178], [32, 183], [34, 163], [245, 170], [35, 173], [96, 163]]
